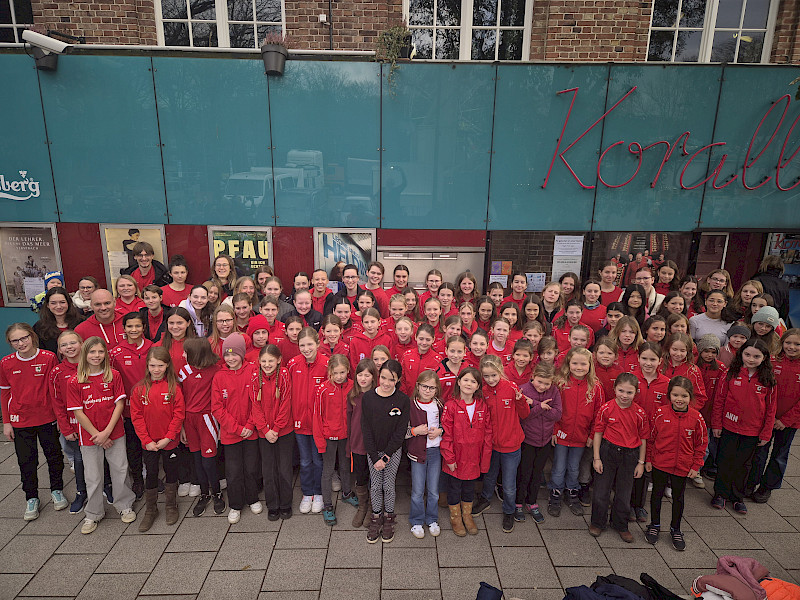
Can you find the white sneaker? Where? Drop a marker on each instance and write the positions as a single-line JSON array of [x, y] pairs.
[[223, 484], [233, 516], [668, 492], [256, 508], [336, 483], [183, 489], [699, 483], [418, 531], [89, 525], [317, 504], [194, 491], [305, 504], [128, 516], [434, 529]]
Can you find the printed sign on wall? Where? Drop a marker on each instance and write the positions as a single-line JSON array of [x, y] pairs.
[[349, 246], [250, 247], [27, 252]]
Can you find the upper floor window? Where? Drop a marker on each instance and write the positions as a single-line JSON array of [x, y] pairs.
[[731, 31], [470, 29], [223, 23], [15, 16]]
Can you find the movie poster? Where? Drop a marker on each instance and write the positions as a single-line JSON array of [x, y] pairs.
[[27, 252], [250, 247], [633, 250], [118, 241], [349, 246]]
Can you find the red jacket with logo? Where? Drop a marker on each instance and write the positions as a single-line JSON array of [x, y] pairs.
[[625, 427], [466, 443], [607, 376], [361, 346], [59, 378], [506, 411], [158, 414], [196, 386], [447, 379], [272, 411], [562, 336], [745, 406], [579, 405], [651, 395], [131, 362], [24, 386], [678, 441], [330, 413], [231, 402], [305, 378], [517, 378], [413, 364], [787, 391], [627, 360], [692, 373], [341, 347], [711, 379]]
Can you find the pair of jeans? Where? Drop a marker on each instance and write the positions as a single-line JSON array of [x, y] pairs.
[[566, 463], [508, 463], [425, 476], [80, 479], [458, 490], [28, 457], [310, 465], [619, 464], [768, 469]]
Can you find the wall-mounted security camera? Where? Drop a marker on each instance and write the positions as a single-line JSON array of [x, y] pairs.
[[45, 49]]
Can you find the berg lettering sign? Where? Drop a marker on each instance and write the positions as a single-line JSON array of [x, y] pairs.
[[20, 189]]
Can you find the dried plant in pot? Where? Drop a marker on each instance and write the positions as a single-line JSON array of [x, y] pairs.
[[274, 51], [394, 44]]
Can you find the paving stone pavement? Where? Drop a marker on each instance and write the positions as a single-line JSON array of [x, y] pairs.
[[302, 559]]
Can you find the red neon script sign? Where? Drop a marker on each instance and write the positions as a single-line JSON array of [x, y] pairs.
[[752, 157]]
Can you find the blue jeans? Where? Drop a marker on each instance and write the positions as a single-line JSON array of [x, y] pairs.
[[425, 475], [566, 461], [768, 470], [75, 448], [508, 462], [310, 465]]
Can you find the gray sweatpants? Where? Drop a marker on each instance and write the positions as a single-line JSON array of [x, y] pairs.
[[332, 448], [93, 471]]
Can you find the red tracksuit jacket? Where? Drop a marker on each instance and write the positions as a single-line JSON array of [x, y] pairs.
[[506, 412], [466, 443], [579, 406], [744, 406], [305, 378], [692, 373], [447, 379], [607, 376], [330, 413], [711, 379], [361, 346], [517, 378], [59, 378], [627, 360], [131, 362], [787, 392], [158, 414], [677, 441], [272, 411], [651, 395], [231, 402], [413, 364], [24, 389]]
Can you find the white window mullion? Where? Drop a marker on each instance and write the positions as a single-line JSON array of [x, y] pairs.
[[223, 32], [710, 21], [526, 46], [769, 34], [465, 43], [159, 23]]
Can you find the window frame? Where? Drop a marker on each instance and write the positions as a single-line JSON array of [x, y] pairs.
[[221, 20], [16, 27], [708, 30], [466, 27]]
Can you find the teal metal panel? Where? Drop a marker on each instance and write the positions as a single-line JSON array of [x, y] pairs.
[[14, 315], [325, 133], [214, 121], [529, 117], [437, 125], [747, 95], [23, 155], [101, 121], [667, 102]]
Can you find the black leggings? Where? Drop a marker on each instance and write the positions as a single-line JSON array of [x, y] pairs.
[[205, 468], [169, 458], [459, 490], [531, 468], [662, 480], [360, 469]]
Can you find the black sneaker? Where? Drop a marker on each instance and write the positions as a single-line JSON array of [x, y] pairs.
[[677, 540], [519, 514], [740, 507], [536, 513], [219, 503], [641, 514], [651, 534], [200, 507], [761, 495], [585, 495], [554, 503], [108, 495], [481, 505], [285, 513], [508, 523], [573, 503], [273, 515]]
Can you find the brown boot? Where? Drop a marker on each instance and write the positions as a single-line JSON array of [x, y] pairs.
[[469, 522], [387, 534], [151, 510], [374, 531], [362, 493], [456, 521], [171, 504], [443, 500]]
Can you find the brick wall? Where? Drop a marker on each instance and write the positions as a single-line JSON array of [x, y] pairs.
[[109, 22], [786, 43], [529, 251]]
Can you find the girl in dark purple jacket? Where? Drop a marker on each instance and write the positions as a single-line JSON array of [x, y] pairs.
[[366, 378], [544, 399]]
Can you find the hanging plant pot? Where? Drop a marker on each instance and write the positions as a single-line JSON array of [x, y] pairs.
[[274, 57], [405, 48]]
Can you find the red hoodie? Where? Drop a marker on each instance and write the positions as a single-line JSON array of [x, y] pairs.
[[131, 362], [594, 318], [113, 333], [158, 414], [745, 406], [318, 303], [305, 378], [361, 346], [59, 378], [787, 390], [413, 364], [651, 395], [506, 411], [692, 373], [562, 336], [579, 406], [467, 443], [330, 413], [677, 441], [231, 402], [272, 411]]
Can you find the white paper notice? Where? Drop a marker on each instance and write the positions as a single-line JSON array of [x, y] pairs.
[[568, 245], [565, 264], [502, 279], [536, 281]]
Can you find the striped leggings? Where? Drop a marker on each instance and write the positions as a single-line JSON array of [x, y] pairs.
[[381, 491]]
